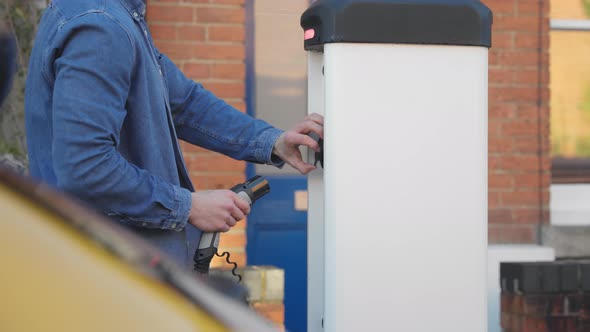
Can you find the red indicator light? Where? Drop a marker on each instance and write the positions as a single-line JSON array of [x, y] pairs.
[[308, 34]]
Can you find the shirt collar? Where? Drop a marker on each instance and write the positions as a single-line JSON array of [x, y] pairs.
[[135, 7]]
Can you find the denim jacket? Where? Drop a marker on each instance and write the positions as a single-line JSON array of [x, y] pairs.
[[104, 110]]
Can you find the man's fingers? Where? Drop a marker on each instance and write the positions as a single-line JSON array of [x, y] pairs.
[[232, 221], [297, 162], [316, 118], [242, 206], [302, 167], [309, 126], [301, 139], [237, 214]]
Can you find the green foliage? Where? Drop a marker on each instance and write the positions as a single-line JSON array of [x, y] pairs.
[[586, 4], [556, 150], [21, 17], [584, 106]]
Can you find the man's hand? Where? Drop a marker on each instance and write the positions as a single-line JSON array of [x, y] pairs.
[[217, 210], [287, 146]]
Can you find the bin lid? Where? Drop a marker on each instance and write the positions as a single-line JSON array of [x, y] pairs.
[[438, 22]]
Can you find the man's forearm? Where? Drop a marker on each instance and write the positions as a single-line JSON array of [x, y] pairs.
[[203, 119]]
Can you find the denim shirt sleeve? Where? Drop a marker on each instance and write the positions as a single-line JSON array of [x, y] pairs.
[[203, 119], [92, 79]]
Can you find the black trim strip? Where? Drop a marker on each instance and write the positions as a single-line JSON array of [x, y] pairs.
[[438, 22]]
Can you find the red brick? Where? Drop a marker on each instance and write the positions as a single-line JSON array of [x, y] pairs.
[[534, 324], [233, 239], [531, 7], [214, 162], [516, 304], [197, 71], [494, 127], [516, 23], [535, 305], [228, 71], [500, 181], [162, 31], [274, 312], [505, 320], [502, 110], [529, 215], [501, 7], [209, 180], [170, 13], [532, 111], [520, 58], [530, 77], [502, 40], [509, 233], [188, 148], [520, 128], [514, 94], [190, 33], [218, 52], [500, 76], [500, 144], [530, 40], [520, 198], [493, 200], [499, 216], [226, 33], [227, 90], [229, 2], [529, 144], [495, 162], [220, 15], [516, 162], [492, 58], [506, 302], [516, 322], [530, 180], [175, 50]]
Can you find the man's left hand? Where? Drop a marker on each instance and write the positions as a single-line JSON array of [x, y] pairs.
[[287, 145]]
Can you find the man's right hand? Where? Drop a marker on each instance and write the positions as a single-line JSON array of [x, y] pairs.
[[217, 210]]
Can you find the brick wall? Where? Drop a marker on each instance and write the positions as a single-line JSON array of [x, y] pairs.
[[519, 161], [205, 38], [545, 297]]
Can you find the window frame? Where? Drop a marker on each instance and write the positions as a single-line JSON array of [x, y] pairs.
[[570, 170]]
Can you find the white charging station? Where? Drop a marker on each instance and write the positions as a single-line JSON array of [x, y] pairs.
[[397, 216]]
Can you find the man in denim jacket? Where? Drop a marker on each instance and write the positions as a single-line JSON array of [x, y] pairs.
[[104, 110]]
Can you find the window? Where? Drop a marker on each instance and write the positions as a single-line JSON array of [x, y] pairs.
[[570, 90], [280, 67], [570, 112]]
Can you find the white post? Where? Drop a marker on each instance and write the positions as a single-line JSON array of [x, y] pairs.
[[315, 210], [397, 219], [405, 187]]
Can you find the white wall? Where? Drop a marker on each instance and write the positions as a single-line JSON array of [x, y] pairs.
[[570, 204]]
